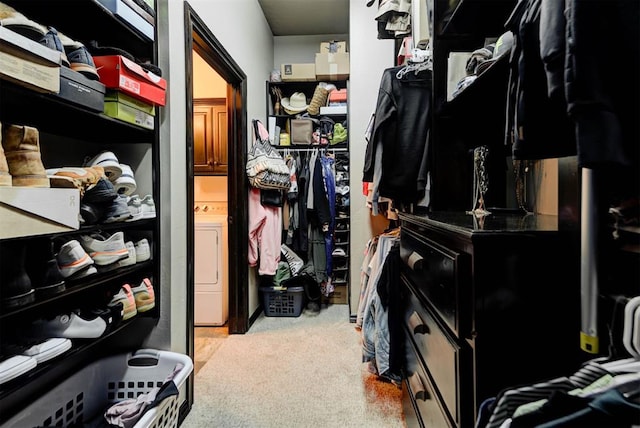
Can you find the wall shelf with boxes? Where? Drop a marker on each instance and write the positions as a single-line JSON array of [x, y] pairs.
[[57, 293], [280, 114], [329, 120]]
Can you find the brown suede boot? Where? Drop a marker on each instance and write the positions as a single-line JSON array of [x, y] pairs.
[[22, 150], [5, 177]]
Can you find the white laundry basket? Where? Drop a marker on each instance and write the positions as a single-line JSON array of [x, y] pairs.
[[91, 391]]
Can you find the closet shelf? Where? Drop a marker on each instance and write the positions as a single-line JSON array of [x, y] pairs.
[[489, 88], [471, 17], [15, 393], [76, 287], [50, 114], [95, 18]]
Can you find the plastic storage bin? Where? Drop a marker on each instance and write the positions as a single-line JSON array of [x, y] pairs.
[[87, 394], [282, 303]]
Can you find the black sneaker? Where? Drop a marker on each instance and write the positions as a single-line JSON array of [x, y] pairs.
[[102, 192]]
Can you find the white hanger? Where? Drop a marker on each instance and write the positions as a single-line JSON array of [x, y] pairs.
[[421, 59], [631, 325], [630, 340]]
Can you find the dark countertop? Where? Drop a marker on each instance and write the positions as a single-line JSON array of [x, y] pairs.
[[496, 222]]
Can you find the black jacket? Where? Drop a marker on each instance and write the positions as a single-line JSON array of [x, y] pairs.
[[402, 122]]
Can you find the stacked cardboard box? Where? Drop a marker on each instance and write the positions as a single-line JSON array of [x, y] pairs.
[[132, 92], [332, 62]]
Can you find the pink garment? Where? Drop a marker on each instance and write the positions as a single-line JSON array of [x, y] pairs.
[[265, 234]]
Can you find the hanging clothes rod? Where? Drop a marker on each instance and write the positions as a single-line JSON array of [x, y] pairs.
[[311, 149]]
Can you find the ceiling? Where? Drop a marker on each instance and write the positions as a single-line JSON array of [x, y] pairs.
[[306, 17]]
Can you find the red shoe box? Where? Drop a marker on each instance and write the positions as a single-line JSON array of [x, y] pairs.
[[117, 72]]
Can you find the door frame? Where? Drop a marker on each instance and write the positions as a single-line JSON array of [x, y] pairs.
[[199, 37]]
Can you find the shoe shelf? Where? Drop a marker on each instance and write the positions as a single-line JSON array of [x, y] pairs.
[[81, 291], [86, 20], [54, 115], [68, 132], [15, 393]]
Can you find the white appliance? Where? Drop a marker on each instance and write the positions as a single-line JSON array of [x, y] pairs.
[[211, 264]]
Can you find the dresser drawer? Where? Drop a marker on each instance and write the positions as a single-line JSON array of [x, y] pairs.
[[439, 273], [421, 404], [446, 362]]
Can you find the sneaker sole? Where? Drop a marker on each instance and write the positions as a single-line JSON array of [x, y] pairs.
[[21, 300], [54, 347], [103, 258], [16, 366], [73, 268], [145, 308], [50, 290]]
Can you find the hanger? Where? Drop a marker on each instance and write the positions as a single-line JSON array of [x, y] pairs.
[[630, 340], [421, 59]]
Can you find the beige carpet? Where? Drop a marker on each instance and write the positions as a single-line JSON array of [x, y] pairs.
[[294, 372]]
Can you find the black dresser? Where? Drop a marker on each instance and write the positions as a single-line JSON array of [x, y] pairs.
[[488, 304]]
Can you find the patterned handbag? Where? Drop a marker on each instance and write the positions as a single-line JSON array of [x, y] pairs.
[[266, 169]]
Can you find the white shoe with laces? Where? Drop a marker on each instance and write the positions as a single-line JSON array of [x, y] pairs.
[[134, 203], [105, 250], [73, 260], [143, 250], [148, 207]]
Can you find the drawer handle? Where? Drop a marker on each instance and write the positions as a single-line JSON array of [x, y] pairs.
[[415, 261], [417, 325], [418, 388]]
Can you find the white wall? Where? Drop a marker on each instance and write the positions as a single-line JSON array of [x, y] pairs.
[[229, 21], [241, 28], [300, 49]]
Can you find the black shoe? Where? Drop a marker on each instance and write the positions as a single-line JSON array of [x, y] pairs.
[[42, 267], [91, 213], [16, 289], [103, 192]]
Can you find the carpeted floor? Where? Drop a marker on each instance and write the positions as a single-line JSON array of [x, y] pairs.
[[293, 372]]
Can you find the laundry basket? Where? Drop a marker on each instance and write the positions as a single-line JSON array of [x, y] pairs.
[[87, 394]]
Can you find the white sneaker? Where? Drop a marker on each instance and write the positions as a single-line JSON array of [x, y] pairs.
[[126, 183], [48, 349], [148, 207], [15, 366], [143, 250], [109, 162], [74, 260], [134, 203], [144, 295], [105, 251], [131, 255], [70, 326], [125, 296]]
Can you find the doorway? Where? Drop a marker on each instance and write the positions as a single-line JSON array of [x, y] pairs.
[[200, 39]]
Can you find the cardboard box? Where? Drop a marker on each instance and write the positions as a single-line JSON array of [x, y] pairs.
[[28, 63], [304, 72], [340, 295], [26, 211], [117, 72], [333, 46], [140, 10], [129, 16], [333, 110], [114, 95], [338, 96], [332, 66], [126, 113], [78, 89]]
